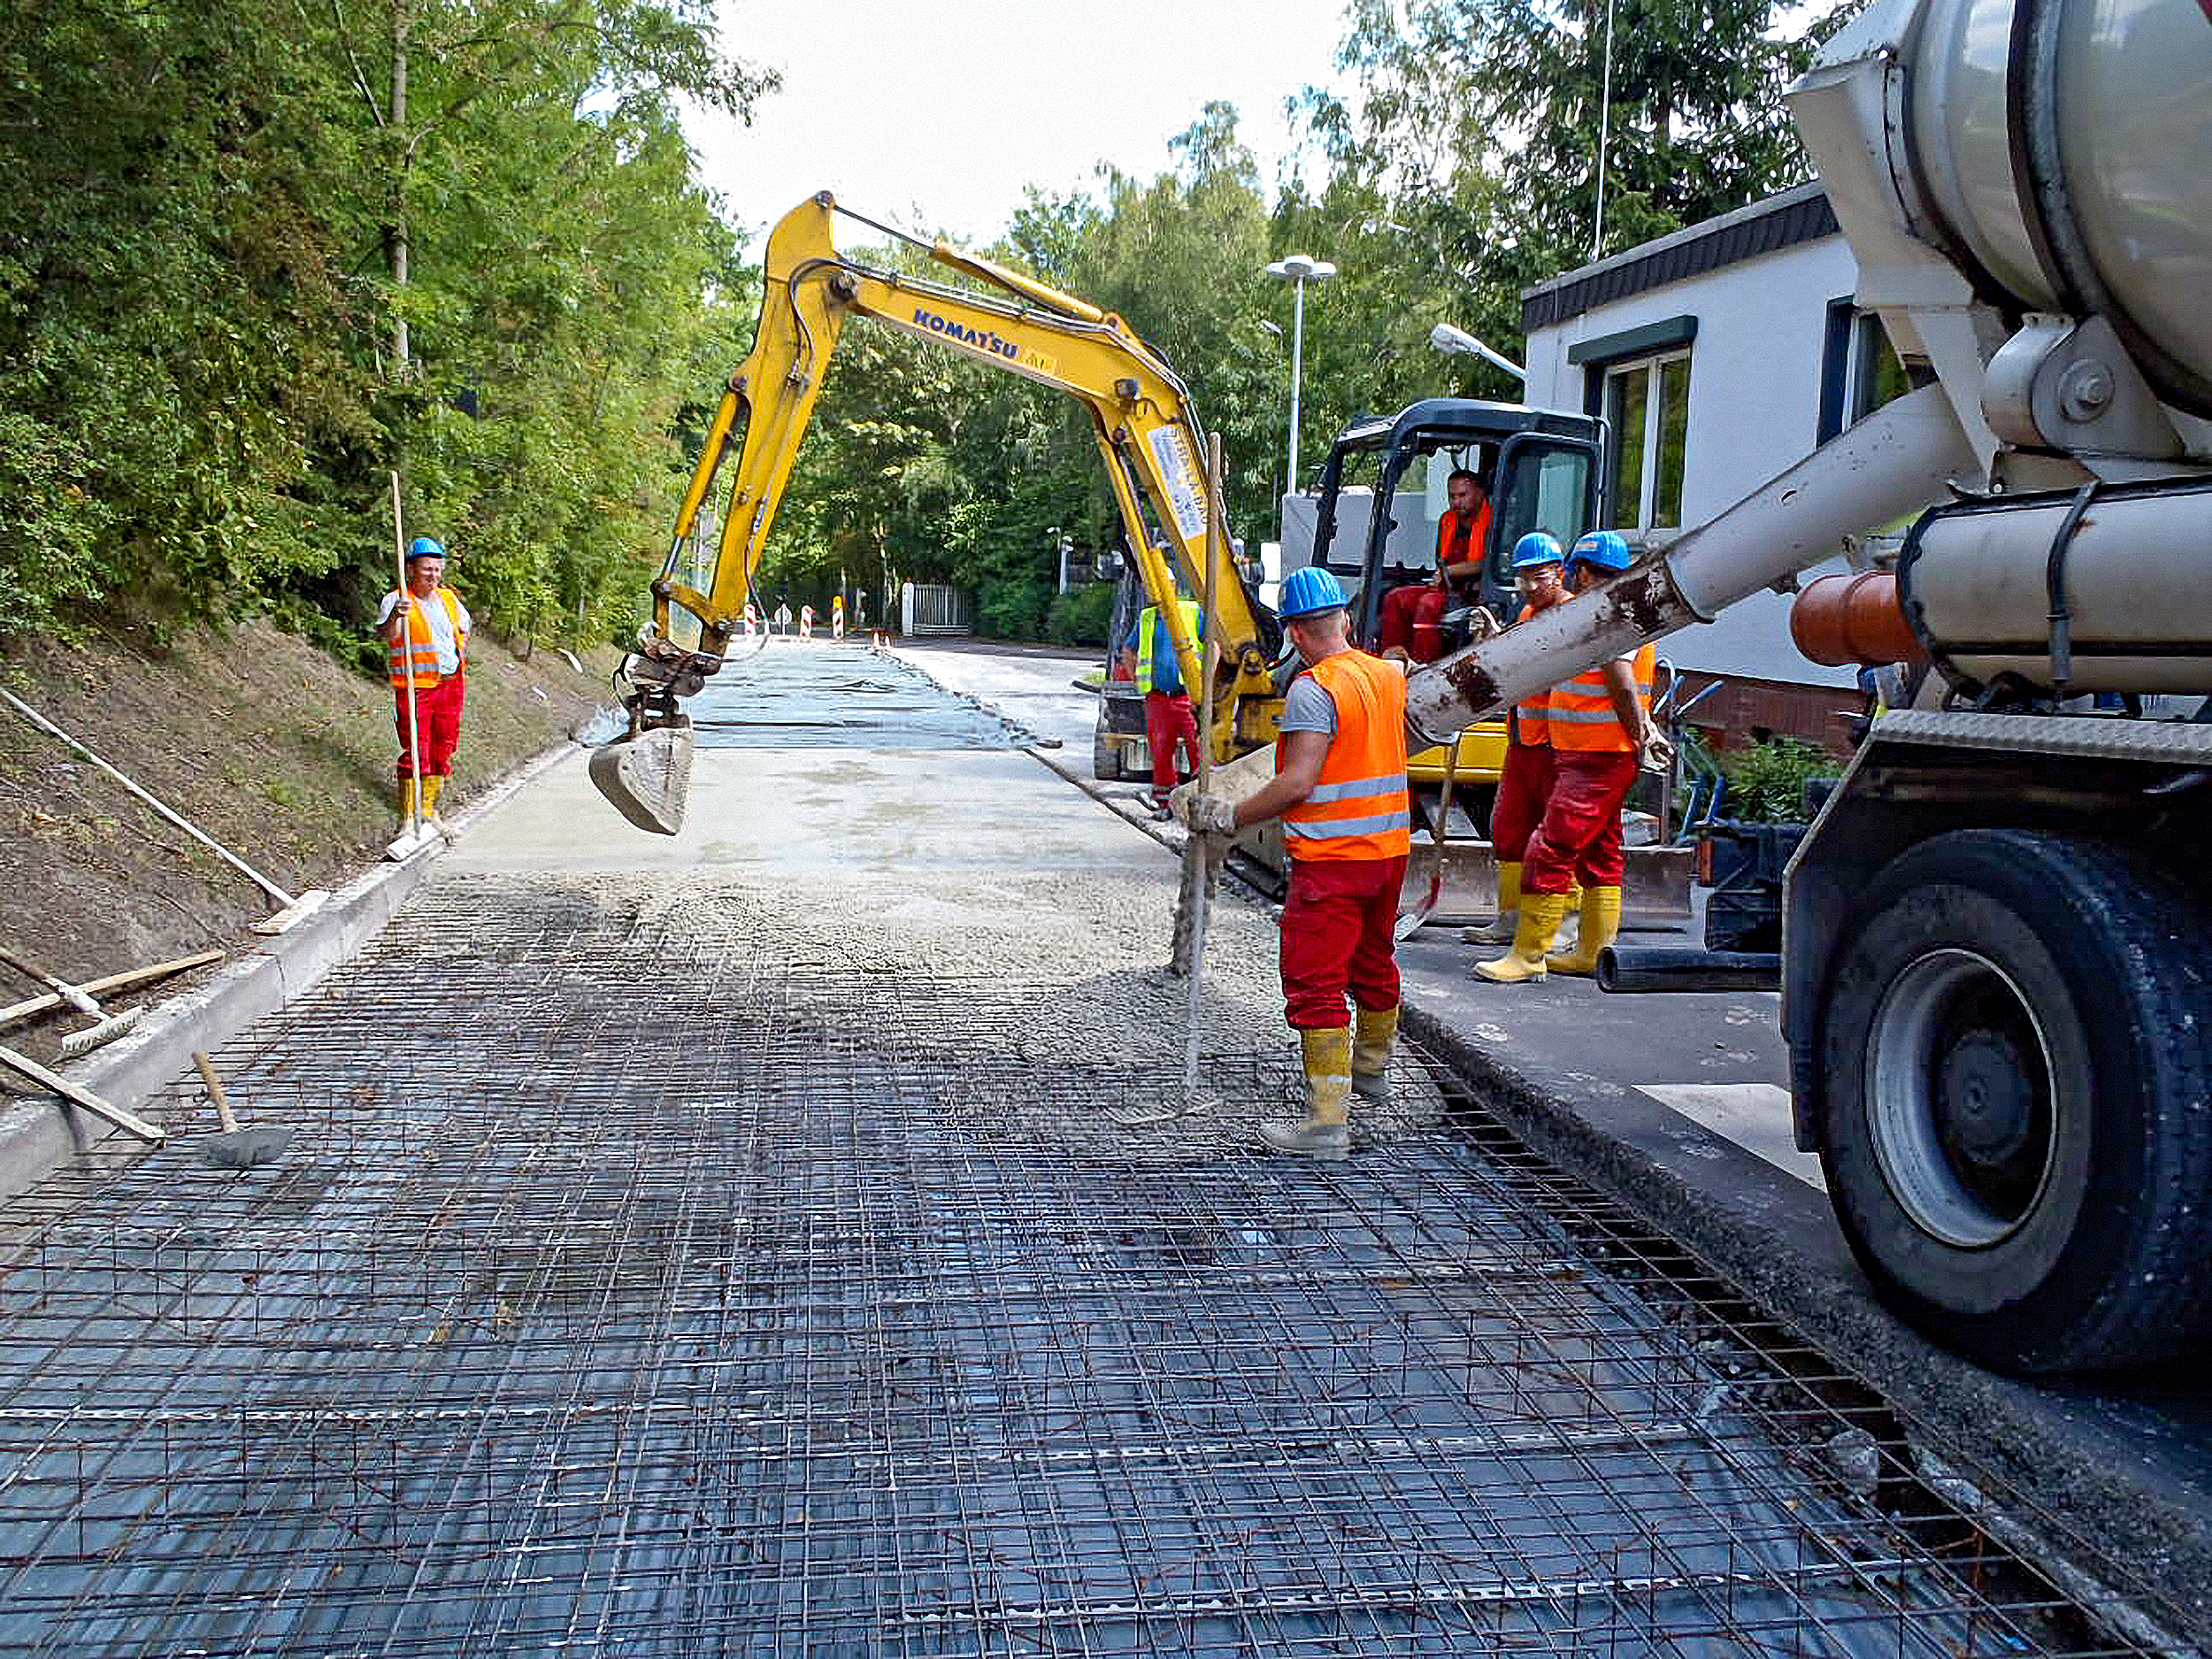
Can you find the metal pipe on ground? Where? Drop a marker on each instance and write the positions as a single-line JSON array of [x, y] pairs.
[[1635, 968]]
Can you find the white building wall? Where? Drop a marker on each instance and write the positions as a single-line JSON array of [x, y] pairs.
[[1755, 409]]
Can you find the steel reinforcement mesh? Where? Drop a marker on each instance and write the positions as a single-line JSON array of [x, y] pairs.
[[623, 1295]]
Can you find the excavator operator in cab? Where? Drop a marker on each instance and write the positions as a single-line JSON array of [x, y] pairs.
[[1410, 627]]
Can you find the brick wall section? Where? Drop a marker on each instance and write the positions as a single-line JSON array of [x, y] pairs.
[[1743, 709]]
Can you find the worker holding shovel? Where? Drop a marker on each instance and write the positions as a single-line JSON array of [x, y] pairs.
[[1340, 788], [425, 629]]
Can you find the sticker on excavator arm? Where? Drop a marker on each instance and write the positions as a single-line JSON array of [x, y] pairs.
[[1179, 468]]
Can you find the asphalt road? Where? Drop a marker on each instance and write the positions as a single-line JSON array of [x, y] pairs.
[[1676, 1103]]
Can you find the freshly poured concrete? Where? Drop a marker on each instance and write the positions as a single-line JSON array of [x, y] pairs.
[[940, 864]]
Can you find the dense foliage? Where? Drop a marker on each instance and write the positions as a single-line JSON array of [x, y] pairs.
[[255, 254], [1766, 780]]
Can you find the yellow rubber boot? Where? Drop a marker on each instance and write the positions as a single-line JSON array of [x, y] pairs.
[[1374, 1039], [1600, 925], [1540, 915], [406, 804], [1500, 929], [1570, 923], [1328, 1057], [432, 787]]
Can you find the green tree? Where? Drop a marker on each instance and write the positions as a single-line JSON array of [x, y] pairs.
[[173, 308], [1691, 110]]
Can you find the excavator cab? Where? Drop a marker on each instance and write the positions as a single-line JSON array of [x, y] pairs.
[[1382, 492], [1382, 497]]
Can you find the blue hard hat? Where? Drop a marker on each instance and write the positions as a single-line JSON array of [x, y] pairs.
[[1308, 591], [1538, 547], [425, 547], [1600, 550]]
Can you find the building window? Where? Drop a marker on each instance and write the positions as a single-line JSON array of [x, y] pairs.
[[1860, 369], [1877, 373], [1648, 407]]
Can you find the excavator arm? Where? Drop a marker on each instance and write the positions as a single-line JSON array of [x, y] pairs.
[[1148, 434]]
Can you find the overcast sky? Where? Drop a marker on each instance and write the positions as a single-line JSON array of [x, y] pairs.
[[935, 114]]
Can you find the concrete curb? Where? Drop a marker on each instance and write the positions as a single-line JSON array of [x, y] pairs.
[[39, 1135], [2042, 1440]]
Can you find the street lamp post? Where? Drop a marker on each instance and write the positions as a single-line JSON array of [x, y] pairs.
[[1444, 337], [1298, 268]]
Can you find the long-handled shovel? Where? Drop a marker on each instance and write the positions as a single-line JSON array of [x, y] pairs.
[[1410, 922], [235, 1149], [415, 833]]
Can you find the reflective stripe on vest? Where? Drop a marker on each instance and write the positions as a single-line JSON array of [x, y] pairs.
[[1149, 630], [1358, 808], [1532, 719], [421, 650], [1582, 718]]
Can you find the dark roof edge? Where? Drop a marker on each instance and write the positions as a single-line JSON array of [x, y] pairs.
[[1778, 221]]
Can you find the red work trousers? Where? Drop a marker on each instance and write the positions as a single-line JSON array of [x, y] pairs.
[[1169, 722], [1412, 619], [438, 721], [1337, 926], [1523, 788], [1580, 836]]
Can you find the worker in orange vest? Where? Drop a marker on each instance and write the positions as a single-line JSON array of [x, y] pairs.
[[1525, 783], [428, 647], [1602, 735], [1410, 625], [1340, 788]]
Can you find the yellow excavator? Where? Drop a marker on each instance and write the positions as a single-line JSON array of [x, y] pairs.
[[1147, 433], [1545, 474]]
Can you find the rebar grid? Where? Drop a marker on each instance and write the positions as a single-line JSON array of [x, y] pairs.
[[735, 1305]]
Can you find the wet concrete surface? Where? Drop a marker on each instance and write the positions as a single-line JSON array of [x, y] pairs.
[[1030, 684], [785, 693]]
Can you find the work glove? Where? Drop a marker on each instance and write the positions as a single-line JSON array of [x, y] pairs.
[[1656, 753], [1203, 814]]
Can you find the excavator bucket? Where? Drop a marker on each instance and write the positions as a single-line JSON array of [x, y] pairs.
[[648, 777]]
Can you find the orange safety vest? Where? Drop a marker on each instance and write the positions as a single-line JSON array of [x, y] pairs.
[[1358, 809], [1582, 718], [1532, 719], [421, 650], [1466, 545]]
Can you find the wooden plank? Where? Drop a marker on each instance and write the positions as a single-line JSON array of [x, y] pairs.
[[113, 982], [84, 1097]]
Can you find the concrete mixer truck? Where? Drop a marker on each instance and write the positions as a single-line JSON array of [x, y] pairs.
[[1997, 976]]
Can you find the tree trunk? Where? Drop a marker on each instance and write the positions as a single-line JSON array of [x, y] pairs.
[[401, 350]]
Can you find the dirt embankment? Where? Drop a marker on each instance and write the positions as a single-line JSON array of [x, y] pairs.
[[257, 736]]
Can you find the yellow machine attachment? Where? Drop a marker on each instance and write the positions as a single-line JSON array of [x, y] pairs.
[[1147, 431]]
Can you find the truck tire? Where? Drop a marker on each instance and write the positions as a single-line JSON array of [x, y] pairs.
[[2017, 1127]]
